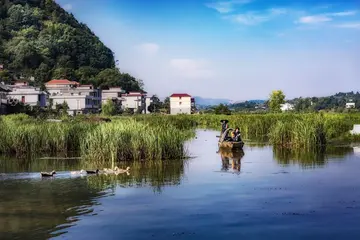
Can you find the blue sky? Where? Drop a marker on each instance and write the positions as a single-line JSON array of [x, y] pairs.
[[236, 49]]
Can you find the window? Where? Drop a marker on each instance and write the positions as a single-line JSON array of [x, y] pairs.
[[180, 98], [180, 103], [23, 99], [119, 94]]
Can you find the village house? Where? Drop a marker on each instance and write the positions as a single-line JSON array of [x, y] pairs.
[[113, 93], [135, 101], [4, 90], [350, 104], [28, 95], [286, 107], [80, 98], [181, 103]]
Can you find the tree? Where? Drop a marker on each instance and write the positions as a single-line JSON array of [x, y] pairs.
[[155, 105], [277, 98], [166, 105], [109, 108], [222, 109]]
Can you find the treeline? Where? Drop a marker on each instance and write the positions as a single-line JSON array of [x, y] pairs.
[[38, 38], [335, 102]]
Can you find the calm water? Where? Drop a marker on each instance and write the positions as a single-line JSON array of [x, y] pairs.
[[259, 193]]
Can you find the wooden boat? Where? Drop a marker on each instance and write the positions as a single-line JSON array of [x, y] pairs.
[[229, 144]]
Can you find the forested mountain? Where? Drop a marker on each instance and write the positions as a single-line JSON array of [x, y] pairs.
[[38, 38]]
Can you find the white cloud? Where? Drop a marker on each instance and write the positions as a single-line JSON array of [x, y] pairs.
[[354, 25], [226, 6], [343, 14], [148, 48], [314, 19], [191, 68], [68, 7], [254, 18], [325, 17]]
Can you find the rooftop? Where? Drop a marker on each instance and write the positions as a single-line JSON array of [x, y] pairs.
[[61, 82], [180, 95]]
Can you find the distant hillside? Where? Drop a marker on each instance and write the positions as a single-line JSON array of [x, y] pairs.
[[210, 101], [38, 38], [334, 102]]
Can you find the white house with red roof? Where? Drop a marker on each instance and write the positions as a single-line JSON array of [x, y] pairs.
[[181, 103]]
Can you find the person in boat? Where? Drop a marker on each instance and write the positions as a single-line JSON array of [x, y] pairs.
[[224, 125], [237, 137]]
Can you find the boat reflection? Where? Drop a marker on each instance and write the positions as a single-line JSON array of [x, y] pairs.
[[231, 157]]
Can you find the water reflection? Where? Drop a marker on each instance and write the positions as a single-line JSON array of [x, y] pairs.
[[310, 158], [11, 164], [38, 206], [155, 174], [233, 158], [30, 208]]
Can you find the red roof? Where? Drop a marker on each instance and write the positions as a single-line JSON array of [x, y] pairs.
[[180, 95], [61, 82]]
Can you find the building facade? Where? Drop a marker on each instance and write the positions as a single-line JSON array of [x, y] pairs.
[[181, 103], [135, 101], [113, 93], [28, 95], [79, 98], [286, 107]]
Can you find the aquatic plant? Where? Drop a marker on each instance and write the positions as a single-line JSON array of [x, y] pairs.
[[127, 139]]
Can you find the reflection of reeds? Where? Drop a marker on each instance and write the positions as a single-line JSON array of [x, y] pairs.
[[32, 209], [309, 158], [156, 174], [10, 164]]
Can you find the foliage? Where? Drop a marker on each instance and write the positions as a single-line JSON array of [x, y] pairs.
[[277, 98], [38, 38], [222, 109], [129, 139], [109, 108], [155, 104]]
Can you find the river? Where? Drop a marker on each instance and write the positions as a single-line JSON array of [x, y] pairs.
[[259, 193]]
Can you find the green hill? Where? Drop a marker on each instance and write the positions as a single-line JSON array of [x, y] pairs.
[[38, 38]]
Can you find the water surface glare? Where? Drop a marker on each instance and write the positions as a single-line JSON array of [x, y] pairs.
[[260, 193]]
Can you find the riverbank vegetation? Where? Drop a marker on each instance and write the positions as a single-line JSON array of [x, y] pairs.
[[120, 139], [153, 137]]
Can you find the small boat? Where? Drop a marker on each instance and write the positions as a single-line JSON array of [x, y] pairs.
[[47, 174], [92, 171], [231, 145]]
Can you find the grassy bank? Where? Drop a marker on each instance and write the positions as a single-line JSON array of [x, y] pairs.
[[125, 139], [120, 139], [162, 137], [295, 130]]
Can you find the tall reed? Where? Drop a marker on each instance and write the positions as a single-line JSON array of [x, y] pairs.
[[131, 140]]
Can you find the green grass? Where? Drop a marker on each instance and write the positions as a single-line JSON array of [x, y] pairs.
[[129, 139], [121, 139], [155, 137]]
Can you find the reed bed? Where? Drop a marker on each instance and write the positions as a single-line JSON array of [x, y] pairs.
[[128, 139], [154, 137], [24, 135]]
